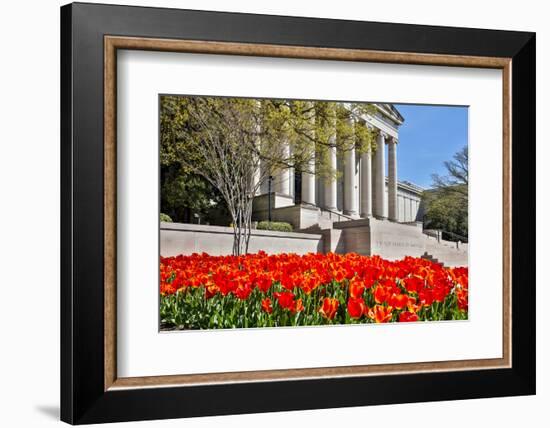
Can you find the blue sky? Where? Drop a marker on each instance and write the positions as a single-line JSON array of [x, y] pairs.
[[429, 136]]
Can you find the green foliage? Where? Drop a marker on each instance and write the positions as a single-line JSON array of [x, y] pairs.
[[190, 124], [183, 192], [447, 211], [165, 218], [446, 206], [279, 226], [191, 309]]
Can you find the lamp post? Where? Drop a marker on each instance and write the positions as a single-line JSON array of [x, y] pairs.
[[269, 181]]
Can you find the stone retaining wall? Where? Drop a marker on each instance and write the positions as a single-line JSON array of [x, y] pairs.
[[370, 236], [180, 238]]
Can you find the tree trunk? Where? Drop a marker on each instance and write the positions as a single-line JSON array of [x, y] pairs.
[[242, 227]]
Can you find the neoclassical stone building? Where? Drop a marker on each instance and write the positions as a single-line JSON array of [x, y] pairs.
[[366, 211], [368, 185]]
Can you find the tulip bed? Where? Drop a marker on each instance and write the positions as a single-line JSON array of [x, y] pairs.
[[200, 291]]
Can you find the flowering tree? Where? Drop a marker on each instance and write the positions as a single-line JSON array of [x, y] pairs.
[[237, 143]]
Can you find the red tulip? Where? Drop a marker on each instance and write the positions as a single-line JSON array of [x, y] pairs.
[[408, 317], [285, 299], [356, 288], [399, 301], [251, 277], [413, 284], [329, 308], [266, 305], [426, 296], [356, 307], [380, 294], [380, 314]]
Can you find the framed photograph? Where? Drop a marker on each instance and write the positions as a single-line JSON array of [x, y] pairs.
[[266, 213]]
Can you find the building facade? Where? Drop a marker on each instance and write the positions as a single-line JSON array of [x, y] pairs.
[[367, 186], [365, 209]]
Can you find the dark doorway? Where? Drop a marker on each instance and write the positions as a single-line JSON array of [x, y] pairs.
[[297, 188]]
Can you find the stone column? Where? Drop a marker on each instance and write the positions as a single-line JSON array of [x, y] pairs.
[[308, 177], [366, 185], [350, 178], [256, 177], [379, 179], [291, 176], [257, 167], [330, 182], [350, 184], [282, 178], [392, 180]]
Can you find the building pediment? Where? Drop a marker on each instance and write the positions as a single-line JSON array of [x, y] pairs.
[[391, 112]]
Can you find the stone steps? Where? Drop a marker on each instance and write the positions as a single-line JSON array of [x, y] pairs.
[[367, 236], [430, 258], [447, 251]]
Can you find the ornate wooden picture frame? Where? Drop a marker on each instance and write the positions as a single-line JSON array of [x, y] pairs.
[[91, 390]]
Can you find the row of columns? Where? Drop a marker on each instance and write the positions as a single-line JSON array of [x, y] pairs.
[[372, 198]]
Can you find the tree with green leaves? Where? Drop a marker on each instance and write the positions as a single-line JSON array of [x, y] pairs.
[[184, 193], [236, 144], [446, 205]]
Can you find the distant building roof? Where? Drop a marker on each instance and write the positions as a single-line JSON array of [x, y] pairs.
[[411, 187]]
